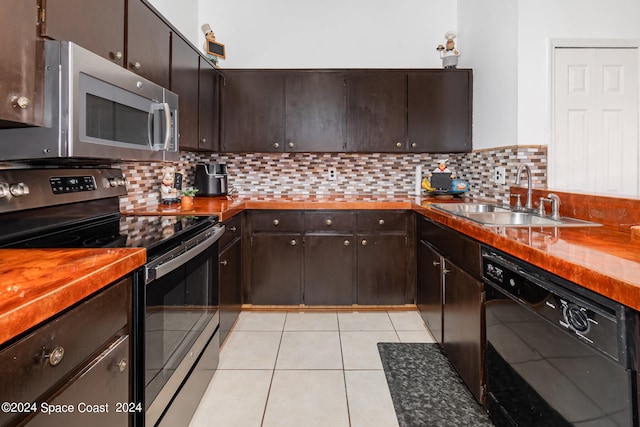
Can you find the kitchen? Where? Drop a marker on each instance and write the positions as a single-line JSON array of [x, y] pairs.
[[279, 174]]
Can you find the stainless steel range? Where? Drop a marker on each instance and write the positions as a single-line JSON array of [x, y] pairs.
[[175, 301]]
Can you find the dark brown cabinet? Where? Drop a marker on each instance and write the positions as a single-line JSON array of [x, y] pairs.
[[314, 112], [79, 356], [148, 43], [376, 111], [276, 257], [208, 107], [252, 111], [456, 259], [429, 288], [439, 111], [184, 81], [230, 275], [88, 23], [21, 74]]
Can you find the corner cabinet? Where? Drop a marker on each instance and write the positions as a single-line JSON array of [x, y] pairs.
[[450, 297]]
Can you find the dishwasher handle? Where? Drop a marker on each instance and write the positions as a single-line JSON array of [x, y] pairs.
[[183, 254]]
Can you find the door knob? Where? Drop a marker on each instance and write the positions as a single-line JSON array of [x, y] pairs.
[[328, 222], [436, 263], [364, 242], [224, 262], [291, 145], [137, 65], [381, 222], [276, 222], [399, 144], [294, 242], [276, 145], [347, 243]]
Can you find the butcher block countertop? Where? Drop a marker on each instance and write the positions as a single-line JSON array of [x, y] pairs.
[[603, 259], [36, 284]]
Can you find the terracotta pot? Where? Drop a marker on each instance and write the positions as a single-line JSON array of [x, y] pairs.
[[186, 203]]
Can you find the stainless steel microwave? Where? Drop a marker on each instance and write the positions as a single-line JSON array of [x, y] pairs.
[[96, 110]]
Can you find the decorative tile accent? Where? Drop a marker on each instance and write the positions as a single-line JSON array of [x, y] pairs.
[[307, 173]]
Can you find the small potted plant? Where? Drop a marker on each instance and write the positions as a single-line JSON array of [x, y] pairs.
[[186, 198]]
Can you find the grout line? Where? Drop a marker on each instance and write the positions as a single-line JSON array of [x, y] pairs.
[[273, 371]]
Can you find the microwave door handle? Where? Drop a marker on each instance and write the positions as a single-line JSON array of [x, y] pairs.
[[150, 125], [167, 126]]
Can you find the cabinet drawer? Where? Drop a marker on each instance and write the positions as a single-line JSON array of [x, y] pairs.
[[329, 221], [233, 230], [382, 221], [26, 373], [276, 221]]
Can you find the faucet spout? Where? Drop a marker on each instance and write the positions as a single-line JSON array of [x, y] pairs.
[[529, 203]]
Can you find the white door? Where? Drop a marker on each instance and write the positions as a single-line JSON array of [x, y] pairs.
[[595, 146]]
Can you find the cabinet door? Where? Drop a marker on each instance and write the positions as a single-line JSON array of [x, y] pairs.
[[19, 76], [208, 107], [329, 269], [382, 269], [184, 82], [463, 326], [92, 24], [276, 269], [315, 111], [252, 111], [376, 111], [230, 274], [148, 44], [439, 111], [429, 288]]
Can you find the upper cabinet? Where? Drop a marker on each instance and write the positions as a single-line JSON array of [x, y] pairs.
[[89, 23], [208, 107], [20, 75], [439, 111], [346, 110], [148, 43]]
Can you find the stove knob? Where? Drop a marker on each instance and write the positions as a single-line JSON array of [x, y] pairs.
[[4, 190], [19, 189], [121, 182], [112, 182]]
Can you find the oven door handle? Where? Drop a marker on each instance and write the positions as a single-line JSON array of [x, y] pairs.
[[194, 247]]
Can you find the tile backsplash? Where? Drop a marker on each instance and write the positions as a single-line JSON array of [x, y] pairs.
[[356, 173]]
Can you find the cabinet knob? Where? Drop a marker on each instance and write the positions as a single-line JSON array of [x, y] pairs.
[[364, 242], [118, 55], [399, 144], [233, 229], [224, 262], [293, 242], [381, 222], [55, 357], [122, 365], [445, 271], [276, 145], [291, 145], [436, 263], [347, 243], [276, 222], [137, 65], [414, 145], [328, 222], [203, 140], [22, 102]]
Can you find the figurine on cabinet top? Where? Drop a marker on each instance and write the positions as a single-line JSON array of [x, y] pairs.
[[168, 192], [448, 53], [212, 49]]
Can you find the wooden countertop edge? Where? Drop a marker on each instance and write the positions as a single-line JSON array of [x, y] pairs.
[[103, 267]]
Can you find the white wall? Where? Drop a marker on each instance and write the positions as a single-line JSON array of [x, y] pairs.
[[329, 33], [183, 15]]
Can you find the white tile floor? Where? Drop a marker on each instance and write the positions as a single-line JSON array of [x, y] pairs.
[[306, 369]]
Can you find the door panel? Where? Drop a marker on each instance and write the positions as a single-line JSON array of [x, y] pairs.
[[328, 269], [276, 262], [382, 269], [429, 289]]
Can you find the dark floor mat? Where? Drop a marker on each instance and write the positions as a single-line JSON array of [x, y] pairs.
[[425, 389]]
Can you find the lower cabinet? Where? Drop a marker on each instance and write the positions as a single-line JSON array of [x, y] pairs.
[[450, 296], [331, 258], [79, 359], [230, 275]]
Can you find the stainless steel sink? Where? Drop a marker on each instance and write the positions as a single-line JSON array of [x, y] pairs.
[[502, 216]]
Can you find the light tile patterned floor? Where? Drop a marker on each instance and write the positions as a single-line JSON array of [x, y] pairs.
[[307, 369]]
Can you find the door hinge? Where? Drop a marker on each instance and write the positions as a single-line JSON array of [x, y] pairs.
[[41, 14]]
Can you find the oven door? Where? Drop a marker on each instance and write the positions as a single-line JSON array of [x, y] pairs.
[[180, 319]]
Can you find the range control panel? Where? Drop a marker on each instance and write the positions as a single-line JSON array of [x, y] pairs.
[[72, 184]]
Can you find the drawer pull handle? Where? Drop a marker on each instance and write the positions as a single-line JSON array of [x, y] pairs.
[[414, 145], [328, 222], [233, 229], [291, 145], [364, 243], [445, 271], [436, 263], [347, 243], [122, 365], [224, 262], [55, 357], [276, 222], [399, 144], [381, 222], [276, 145], [294, 242]]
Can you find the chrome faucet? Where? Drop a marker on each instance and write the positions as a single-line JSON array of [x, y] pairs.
[[529, 203]]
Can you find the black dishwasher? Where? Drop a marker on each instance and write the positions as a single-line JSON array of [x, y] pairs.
[[557, 354]]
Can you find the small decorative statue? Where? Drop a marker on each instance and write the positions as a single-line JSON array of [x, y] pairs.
[[168, 192], [212, 49], [448, 53], [442, 168]]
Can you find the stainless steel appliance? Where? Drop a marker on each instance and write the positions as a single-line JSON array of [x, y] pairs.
[[175, 300], [211, 179], [95, 110], [557, 354]]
